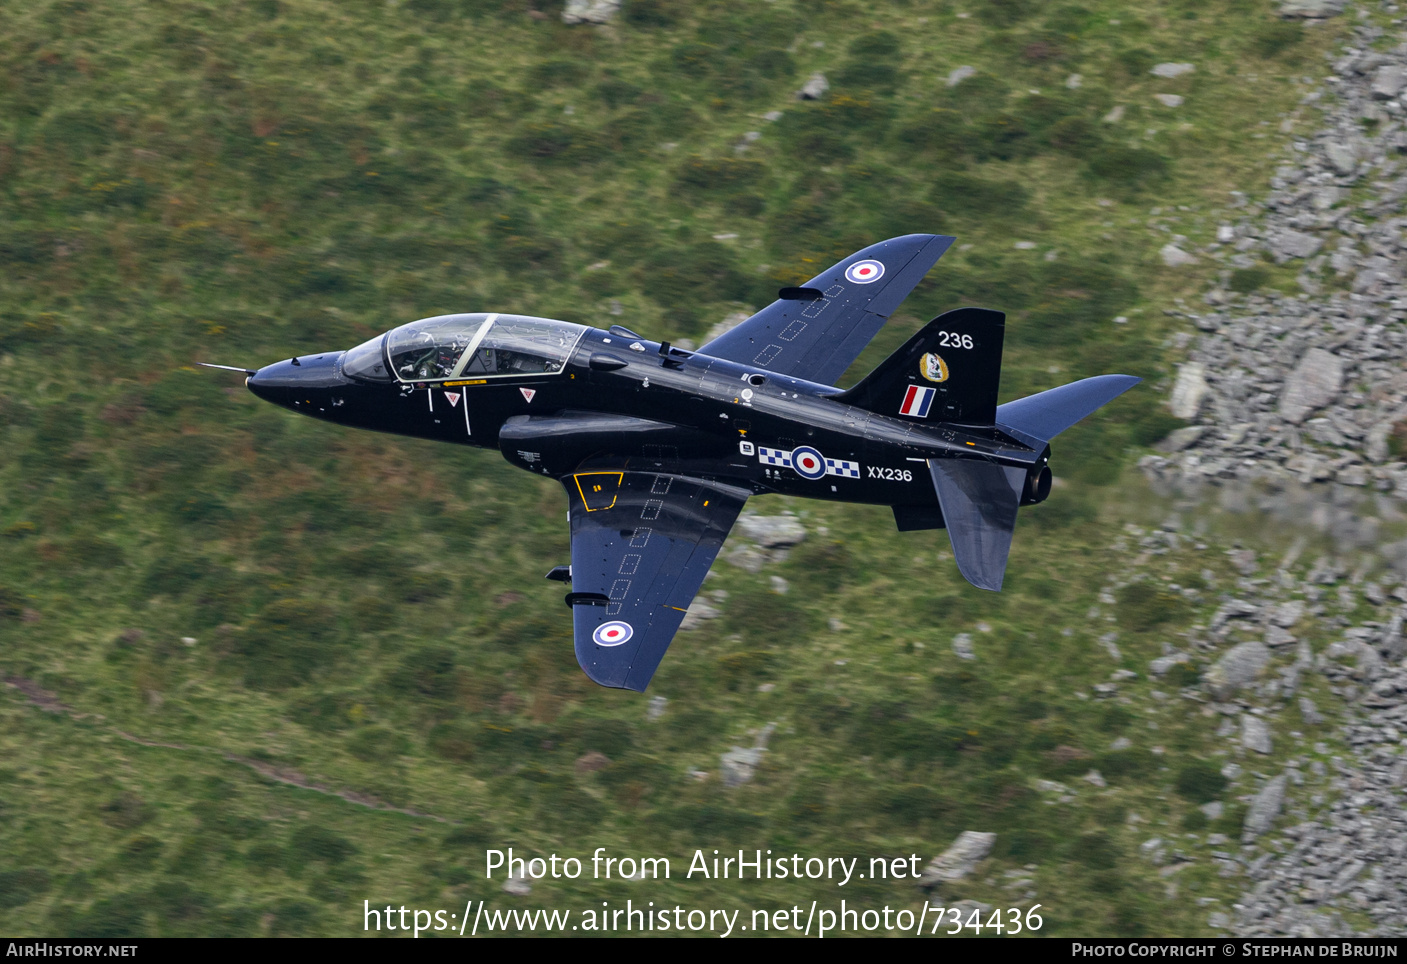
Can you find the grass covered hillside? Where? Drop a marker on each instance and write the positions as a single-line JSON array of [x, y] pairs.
[[263, 669]]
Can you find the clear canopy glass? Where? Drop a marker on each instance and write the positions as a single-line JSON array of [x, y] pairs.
[[368, 361], [479, 345]]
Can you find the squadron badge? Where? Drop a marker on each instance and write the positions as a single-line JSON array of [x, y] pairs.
[[934, 368]]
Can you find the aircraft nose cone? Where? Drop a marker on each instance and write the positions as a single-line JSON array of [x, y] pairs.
[[262, 384], [278, 382]]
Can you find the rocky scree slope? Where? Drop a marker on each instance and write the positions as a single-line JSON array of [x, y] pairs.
[[1302, 400]]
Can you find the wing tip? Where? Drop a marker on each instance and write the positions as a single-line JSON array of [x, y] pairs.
[[612, 680]]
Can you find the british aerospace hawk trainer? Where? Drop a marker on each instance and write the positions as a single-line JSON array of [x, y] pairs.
[[658, 448]]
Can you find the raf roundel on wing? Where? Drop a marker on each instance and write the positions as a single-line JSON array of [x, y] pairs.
[[863, 272], [612, 633]]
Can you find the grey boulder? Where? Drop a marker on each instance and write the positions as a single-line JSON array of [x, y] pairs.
[[1314, 383], [590, 11], [958, 861], [1264, 808], [1239, 667]]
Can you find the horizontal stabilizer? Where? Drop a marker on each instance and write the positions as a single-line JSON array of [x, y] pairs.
[[1047, 414], [979, 501]]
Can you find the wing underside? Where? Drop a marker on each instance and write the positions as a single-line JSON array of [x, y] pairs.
[[641, 546]]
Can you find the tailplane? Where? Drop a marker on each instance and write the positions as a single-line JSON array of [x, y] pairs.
[[1047, 414], [948, 372], [977, 500]]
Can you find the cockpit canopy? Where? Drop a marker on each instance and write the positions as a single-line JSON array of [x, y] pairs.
[[465, 346]]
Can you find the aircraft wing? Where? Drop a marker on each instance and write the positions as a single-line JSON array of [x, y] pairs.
[[817, 330], [641, 545]]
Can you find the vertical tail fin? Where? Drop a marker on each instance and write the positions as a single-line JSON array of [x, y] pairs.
[[948, 372]]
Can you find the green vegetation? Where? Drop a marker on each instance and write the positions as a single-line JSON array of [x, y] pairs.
[[1397, 440], [1200, 782], [263, 669], [1246, 280]]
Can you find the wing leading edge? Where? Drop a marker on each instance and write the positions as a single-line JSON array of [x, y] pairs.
[[641, 546], [823, 327]]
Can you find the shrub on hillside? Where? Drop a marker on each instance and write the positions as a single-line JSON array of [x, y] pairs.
[[1144, 606], [1200, 782]]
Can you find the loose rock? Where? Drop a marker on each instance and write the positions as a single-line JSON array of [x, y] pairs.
[[1255, 735], [771, 531], [1264, 808], [958, 861], [815, 87], [590, 11], [739, 765], [699, 610], [1313, 384], [1311, 9], [959, 74], [1172, 255], [1289, 243], [1387, 81], [1189, 390], [1237, 668]]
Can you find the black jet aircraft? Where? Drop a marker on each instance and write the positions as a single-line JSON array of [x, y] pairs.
[[658, 448]]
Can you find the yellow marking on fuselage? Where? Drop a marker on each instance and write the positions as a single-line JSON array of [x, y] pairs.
[[476, 381]]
